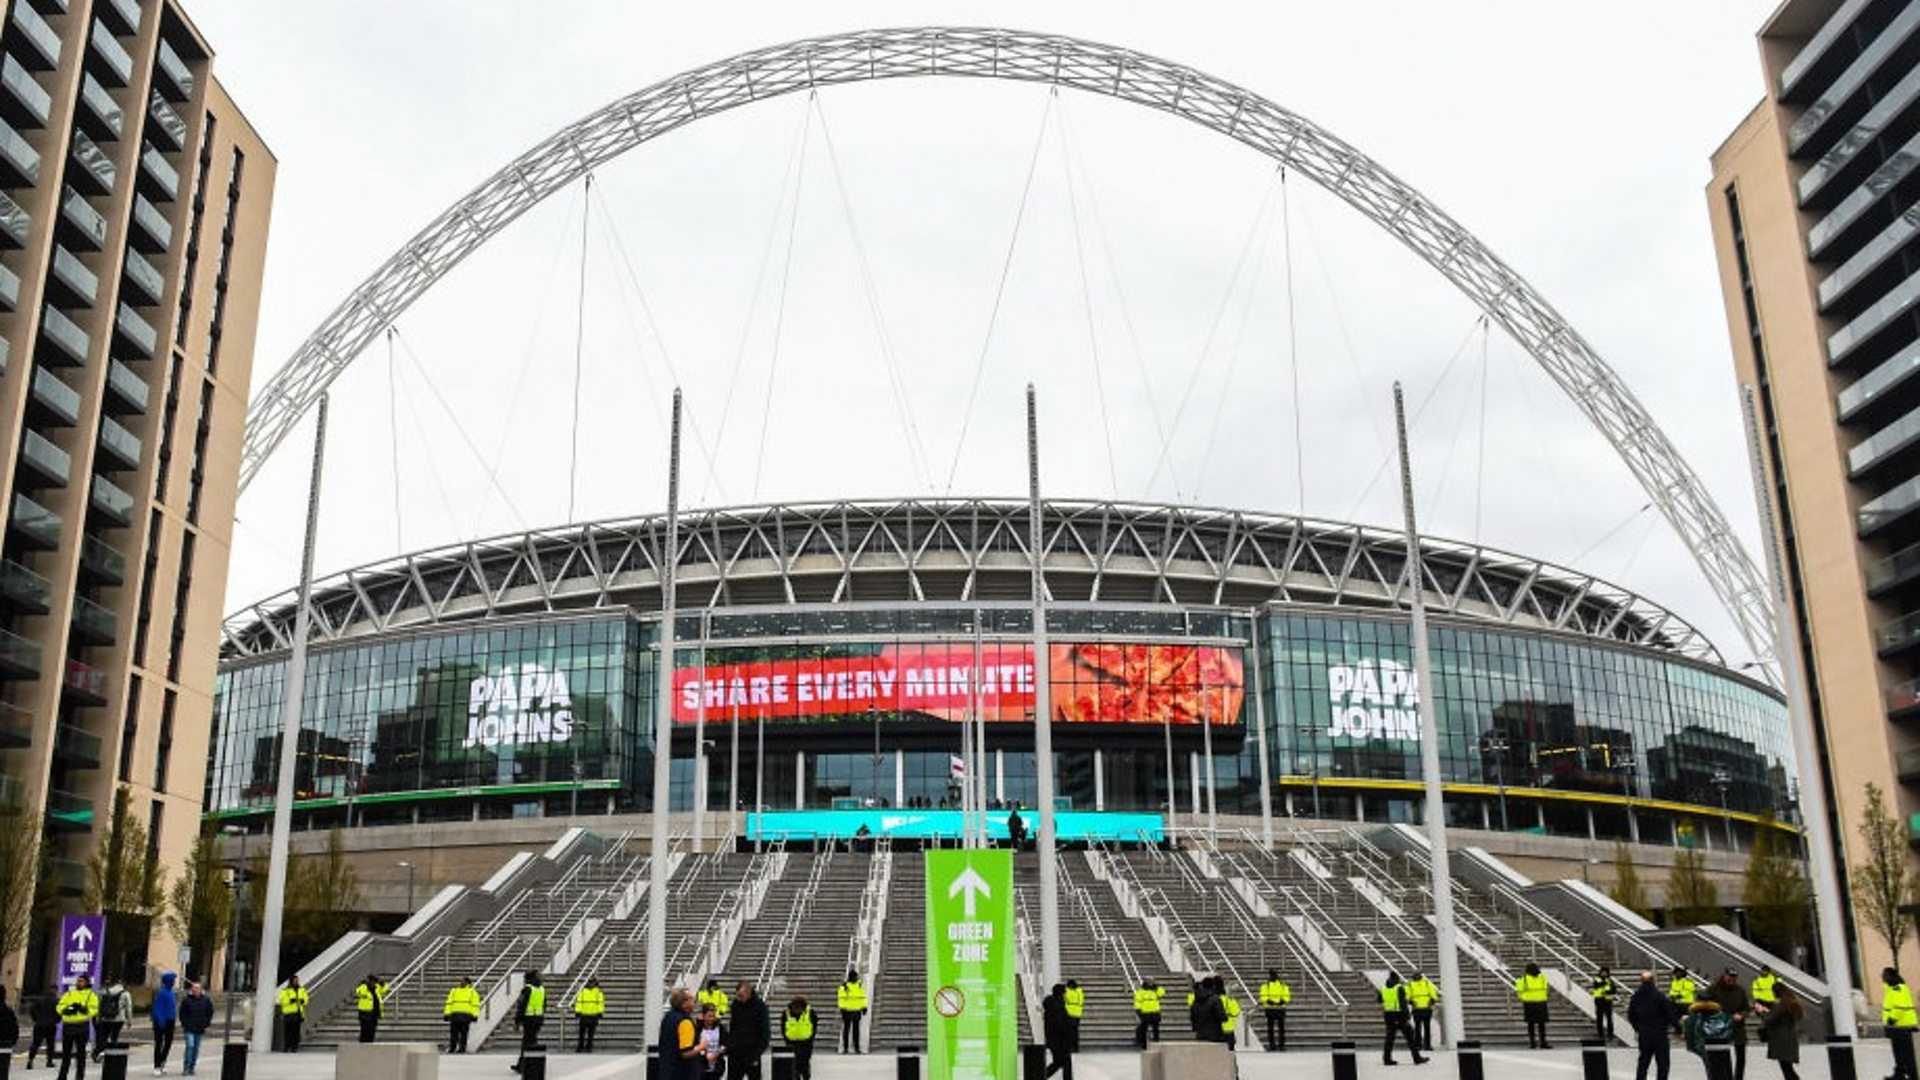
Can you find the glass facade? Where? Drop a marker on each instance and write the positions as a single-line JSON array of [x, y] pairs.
[[1560, 732]]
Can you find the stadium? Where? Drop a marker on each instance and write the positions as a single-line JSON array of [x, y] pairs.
[[514, 678]]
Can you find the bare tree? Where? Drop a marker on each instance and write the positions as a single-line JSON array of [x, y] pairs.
[[199, 906], [1692, 897], [22, 880], [1776, 895], [1881, 882], [1627, 889]]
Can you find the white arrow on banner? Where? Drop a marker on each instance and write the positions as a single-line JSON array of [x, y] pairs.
[[82, 936], [972, 885]]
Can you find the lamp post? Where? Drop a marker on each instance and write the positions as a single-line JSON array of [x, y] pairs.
[[238, 884], [408, 867], [1722, 779], [1496, 745]]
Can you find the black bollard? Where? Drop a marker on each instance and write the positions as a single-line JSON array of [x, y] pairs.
[[1719, 1061], [1593, 1059], [233, 1061], [113, 1062], [1345, 1067], [653, 1062], [906, 1065], [6, 1063], [782, 1065], [1033, 1062], [1471, 1067], [1840, 1058], [533, 1063]]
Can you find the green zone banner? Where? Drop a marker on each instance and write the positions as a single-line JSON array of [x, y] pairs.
[[973, 1020]]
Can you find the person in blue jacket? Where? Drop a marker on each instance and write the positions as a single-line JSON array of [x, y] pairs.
[[165, 1012]]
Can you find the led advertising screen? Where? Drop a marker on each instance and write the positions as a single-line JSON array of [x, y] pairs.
[[1092, 683]]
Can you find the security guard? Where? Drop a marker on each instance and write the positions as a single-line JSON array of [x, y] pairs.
[[1421, 995], [1604, 991], [1275, 996], [1146, 1011], [529, 1013], [1393, 1010], [461, 1010], [293, 1013], [797, 1025], [852, 999], [588, 1006], [1681, 989], [715, 997], [369, 1001], [1076, 1000], [1531, 989], [79, 1006], [1896, 1012], [1232, 1023], [1765, 987]]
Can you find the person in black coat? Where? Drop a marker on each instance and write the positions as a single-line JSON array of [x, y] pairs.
[[9, 1024], [46, 1019], [1058, 1027], [1650, 1015], [1208, 1014], [749, 1035]]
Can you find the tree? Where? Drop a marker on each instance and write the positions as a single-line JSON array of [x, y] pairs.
[[126, 885], [1627, 891], [199, 907], [1776, 892], [1881, 884], [23, 878], [323, 897], [1692, 897]]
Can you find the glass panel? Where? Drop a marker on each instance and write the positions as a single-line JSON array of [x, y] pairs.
[[111, 501], [43, 45], [131, 388], [1843, 87], [169, 125], [74, 744], [37, 524], [23, 588], [165, 178], [136, 329], [16, 731], [177, 79], [108, 118], [21, 159], [120, 443], [13, 222], [1870, 257], [1862, 135], [1857, 202], [96, 175], [1885, 376], [82, 283], [1887, 508], [154, 222], [33, 98], [49, 460], [142, 275], [57, 396], [95, 622], [123, 14], [1887, 440], [115, 66], [9, 289], [102, 560], [17, 654], [65, 810], [1901, 632], [1822, 40], [76, 211], [68, 341]]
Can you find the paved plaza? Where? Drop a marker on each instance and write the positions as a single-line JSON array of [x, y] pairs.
[[1873, 1062]]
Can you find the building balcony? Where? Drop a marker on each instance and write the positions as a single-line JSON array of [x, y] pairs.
[[95, 174], [32, 525], [67, 812], [110, 503], [1898, 635], [69, 282], [76, 747], [16, 733], [151, 233], [49, 8], [101, 563], [38, 44], [22, 99], [1826, 176], [99, 115], [22, 591], [126, 392], [62, 342], [157, 177], [135, 331], [170, 74], [42, 464], [167, 128], [84, 683], [119, 448], [1903, 699], [53, 402], [19, 657], [67, 876], [107, 58], [14, 223], [145, 284], [19, 161], [81, 226], [9, 290], [1876, 514], [121, 16], [93, 623]]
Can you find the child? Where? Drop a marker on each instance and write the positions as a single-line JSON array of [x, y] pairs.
[[711, 1047]]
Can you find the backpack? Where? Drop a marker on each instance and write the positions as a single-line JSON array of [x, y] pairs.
[[110, 1008]]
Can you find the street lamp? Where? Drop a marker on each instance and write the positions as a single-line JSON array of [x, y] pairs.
[[237, 881], [1496, 744], [408, 867], [1722, 779]]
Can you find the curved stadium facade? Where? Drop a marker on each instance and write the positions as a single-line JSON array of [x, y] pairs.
[[516, 677]]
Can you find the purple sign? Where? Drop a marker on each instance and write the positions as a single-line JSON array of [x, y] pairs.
[[83, 940]]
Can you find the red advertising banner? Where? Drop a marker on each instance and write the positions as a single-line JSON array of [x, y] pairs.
[[1091, 683]]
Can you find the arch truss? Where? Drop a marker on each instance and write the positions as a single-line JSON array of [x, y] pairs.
[[870, 55]]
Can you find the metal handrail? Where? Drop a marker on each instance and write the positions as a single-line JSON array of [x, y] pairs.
[[1307, 962], [417, 965], [1464, 914], [1309, 909], [513, 906], [1566, 955], [1661, 961], [1524, 906]]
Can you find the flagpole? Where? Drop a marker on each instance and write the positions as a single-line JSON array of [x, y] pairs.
[[651, 994], [1042, 710]]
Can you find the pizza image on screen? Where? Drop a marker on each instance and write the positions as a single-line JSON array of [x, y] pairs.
[[1181, 685]]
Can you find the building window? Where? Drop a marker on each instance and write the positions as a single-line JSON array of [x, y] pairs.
[[163, 755], [130, 728], [193, 234]]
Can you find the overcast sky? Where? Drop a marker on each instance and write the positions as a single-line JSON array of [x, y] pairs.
[[1148, 289]]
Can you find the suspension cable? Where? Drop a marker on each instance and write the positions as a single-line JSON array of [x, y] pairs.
[[1233, 358], [896, 382], [1086, 305], [1379, 470], [393, 442], [1445, 473], [1000, 291], [779, 323], [493, 477], [1356, 365], [1480, 459], [1608, 535], [1293, 352], [426, 451], [579, 346]]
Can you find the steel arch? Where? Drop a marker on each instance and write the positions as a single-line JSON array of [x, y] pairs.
[[869, 55]]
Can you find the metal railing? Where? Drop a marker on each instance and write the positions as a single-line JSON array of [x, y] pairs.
[[1305, 961], [408, 976]]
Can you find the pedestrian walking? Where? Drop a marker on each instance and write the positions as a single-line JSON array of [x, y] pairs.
[[589, 1005], [116, 1008], [1780, 1029], [1421, 997], [196, 1016], [750, 1034], [460, 1011], [1896, 1013], [1148, 998], [1727, 993], [1076, 999], [1650, 1015], [45, 1016], [1531, 989], [1603, 990], [80, 1006], [292, 1000], [369, 1001], [1681, 989], [1057, 1026], [164, 1014], [797, 1027], [1394, 1010], [529, 1015], [679, 1038], [852, 999], [9, 1025], [1016, 831]]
